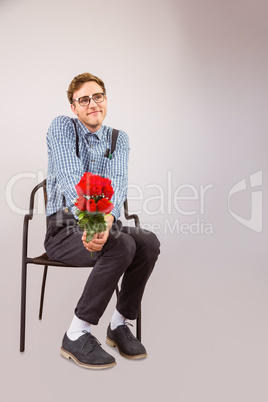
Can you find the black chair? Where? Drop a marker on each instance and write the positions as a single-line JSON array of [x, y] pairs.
[[46, 262]]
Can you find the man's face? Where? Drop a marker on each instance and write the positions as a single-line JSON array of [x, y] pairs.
[[93, 114]]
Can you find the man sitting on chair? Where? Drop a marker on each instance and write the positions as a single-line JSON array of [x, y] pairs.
[[129, 252]]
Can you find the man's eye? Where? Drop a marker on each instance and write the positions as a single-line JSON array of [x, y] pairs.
[[84, 100], [98, 97]]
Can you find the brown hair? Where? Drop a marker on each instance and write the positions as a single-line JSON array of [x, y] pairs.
[[79, 80]]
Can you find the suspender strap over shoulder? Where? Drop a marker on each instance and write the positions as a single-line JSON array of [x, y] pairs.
[[115, 133], [114, 139], [76, 139]]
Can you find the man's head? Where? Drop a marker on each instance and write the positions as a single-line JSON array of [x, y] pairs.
[[87, 96]]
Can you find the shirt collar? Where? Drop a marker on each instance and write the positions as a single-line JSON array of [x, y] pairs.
[[85, 131]]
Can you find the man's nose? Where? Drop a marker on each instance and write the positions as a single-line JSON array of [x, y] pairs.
[[92, 103]]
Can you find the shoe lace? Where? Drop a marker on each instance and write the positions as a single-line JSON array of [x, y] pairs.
[[127, 331], [90, 342]]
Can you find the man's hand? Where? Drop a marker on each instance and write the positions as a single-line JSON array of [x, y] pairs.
[[110, 220], [97, 242], [99, 239]]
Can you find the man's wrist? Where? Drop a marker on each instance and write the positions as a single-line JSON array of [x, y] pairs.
[[110, 220]]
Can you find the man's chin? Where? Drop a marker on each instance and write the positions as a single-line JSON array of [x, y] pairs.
[[93, 127]]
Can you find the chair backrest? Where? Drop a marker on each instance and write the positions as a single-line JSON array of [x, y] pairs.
[[44, 184], [32, 197]]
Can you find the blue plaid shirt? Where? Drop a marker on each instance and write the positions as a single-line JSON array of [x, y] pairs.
[[65, 169]]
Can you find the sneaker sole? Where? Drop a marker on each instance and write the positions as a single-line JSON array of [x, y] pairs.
[[112, 343], [68, 355]]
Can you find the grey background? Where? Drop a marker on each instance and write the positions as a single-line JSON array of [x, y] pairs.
[[187, 80]]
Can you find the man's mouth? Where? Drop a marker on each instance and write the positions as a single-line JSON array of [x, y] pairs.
[[95, 112]]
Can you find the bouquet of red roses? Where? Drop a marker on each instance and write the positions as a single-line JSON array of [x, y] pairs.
[[93, 203]]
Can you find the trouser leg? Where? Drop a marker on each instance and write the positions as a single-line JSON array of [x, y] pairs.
[[132, 252], [115, 258], [138, 272]]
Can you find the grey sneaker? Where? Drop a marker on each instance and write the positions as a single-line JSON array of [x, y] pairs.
[[86, 351], [128, 346]]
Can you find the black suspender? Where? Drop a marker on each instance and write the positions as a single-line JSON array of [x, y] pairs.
[[114, 139], [76, 139], [108, 152]]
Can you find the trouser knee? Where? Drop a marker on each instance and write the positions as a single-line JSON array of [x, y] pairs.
[[124, 247], [150, 244]]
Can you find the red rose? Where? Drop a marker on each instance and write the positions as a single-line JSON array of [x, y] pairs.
[[95, 190], [108, 191], [81, 187], [87, 181], [91, 205], [96, 187], [105, 182], [81, 203], [93, 185], [104, 206], [95, 180]]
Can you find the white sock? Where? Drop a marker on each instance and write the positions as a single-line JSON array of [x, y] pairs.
[[117, 319], [77, 327]]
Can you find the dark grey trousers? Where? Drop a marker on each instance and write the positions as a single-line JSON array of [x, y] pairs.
[[129, 251]]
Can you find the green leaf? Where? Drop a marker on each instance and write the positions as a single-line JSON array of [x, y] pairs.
[[81, 215], [92, 223]]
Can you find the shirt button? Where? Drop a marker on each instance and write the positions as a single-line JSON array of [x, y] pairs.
[[90, 146], [92, 160]]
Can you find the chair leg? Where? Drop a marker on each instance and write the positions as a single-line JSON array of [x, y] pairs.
[[43, 292], [138, 326], [23, 306]]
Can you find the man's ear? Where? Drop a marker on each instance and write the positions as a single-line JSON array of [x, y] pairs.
[[73, 109]]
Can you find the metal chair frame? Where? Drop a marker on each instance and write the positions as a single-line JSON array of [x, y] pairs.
[[46, 262]]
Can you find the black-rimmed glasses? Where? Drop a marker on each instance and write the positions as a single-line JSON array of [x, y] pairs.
[[85, 100]]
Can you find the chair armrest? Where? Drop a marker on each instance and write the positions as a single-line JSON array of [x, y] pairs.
[[133, 216], [31, 207], [26, 220]]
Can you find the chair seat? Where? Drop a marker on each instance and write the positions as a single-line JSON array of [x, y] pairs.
[[45, 260]]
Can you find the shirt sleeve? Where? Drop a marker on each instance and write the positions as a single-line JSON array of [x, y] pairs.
[[117, 171], [67, 167]]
